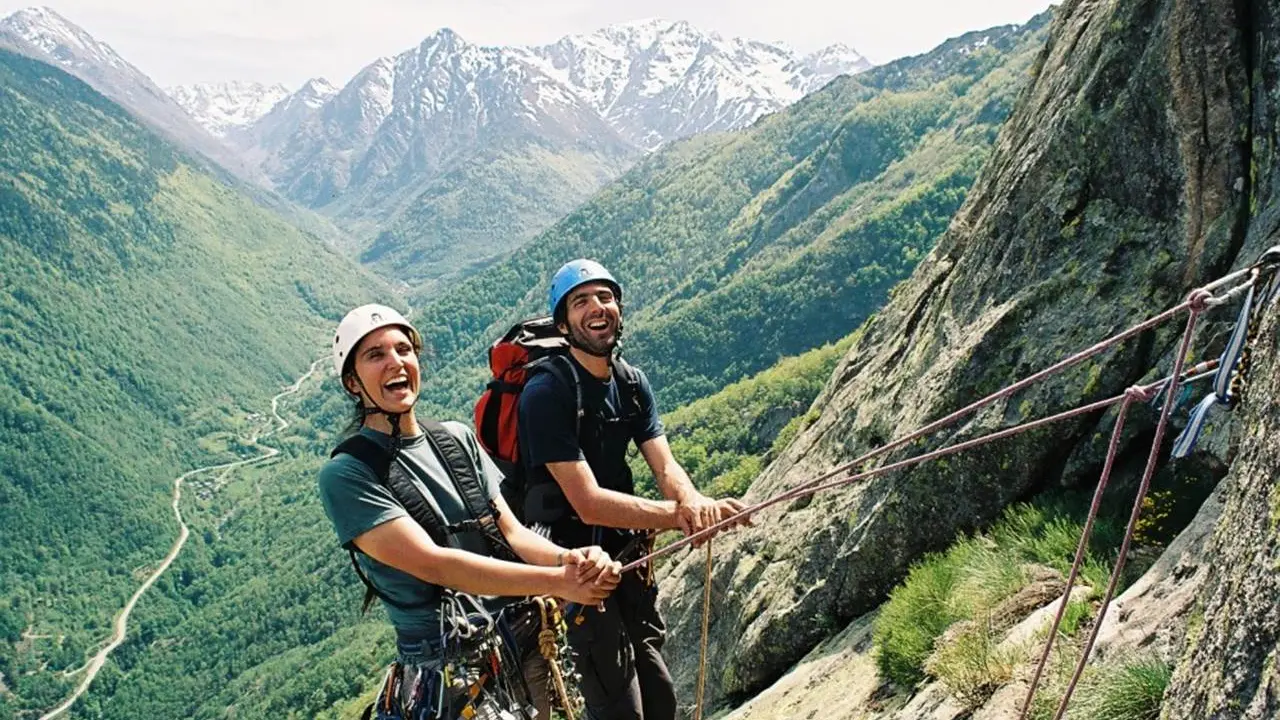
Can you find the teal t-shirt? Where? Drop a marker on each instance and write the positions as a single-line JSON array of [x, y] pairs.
[[356, 502]]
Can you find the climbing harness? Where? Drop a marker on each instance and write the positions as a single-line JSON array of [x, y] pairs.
[[476, 677], [1260, 287]]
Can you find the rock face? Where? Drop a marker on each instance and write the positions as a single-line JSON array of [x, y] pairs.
[[1229, 669], [1137, 165]]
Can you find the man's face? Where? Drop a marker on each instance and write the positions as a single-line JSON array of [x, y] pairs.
[[594, 318]]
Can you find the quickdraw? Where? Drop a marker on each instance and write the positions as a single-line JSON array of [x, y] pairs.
[[1268, 280], [1231, 383]]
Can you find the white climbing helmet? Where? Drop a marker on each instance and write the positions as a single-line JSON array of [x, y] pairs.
[[362, 321]]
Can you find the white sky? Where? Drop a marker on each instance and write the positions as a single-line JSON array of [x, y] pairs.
[[289, 41]]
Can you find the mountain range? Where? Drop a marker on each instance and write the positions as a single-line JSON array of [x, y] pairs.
[[448, 154], [44, 35], [224, 106]]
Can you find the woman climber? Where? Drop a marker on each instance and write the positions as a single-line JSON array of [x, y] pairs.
[[417, 505]]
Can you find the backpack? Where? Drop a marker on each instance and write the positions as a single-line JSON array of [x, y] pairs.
[[529, 347], [457, 463]]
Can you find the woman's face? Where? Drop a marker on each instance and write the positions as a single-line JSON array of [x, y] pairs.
[[388, 368]]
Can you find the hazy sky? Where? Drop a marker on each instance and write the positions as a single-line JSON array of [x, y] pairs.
[[289, 41]]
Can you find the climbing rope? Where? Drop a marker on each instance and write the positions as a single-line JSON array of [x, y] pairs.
[[548, 645], [1229, 373], [823, 482], [1197, 303], [1152, 457], [706, 624]]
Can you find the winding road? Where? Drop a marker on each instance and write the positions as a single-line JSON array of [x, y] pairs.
[[122, 620]]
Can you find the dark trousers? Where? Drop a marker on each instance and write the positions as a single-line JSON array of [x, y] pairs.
[[618, 652]]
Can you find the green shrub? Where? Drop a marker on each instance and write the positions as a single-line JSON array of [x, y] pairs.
[[1078, 613], [971, 664], [918, 611], [969, 580], [1132, 690], [1123, 689]]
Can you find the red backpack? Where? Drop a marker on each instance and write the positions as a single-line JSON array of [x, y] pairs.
[[530, 346], [512, 358]]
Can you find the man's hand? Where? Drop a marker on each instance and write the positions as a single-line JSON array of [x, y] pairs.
[[701, 512], [697, 512], [731, 507]]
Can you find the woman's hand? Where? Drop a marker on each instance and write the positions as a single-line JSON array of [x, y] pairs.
[[586, 588], [593, 563]]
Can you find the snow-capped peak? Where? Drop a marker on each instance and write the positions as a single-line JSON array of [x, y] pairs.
[[316, 91], [835, 58], [220, 107], [656, 79], [60, 39]]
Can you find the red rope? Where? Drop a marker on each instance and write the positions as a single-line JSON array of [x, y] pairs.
[[1201, 298], [1080, 551], [1199, 304]]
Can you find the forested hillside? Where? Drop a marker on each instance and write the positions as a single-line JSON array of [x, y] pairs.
[[260, 614], [724, 440], [147, 312], [737, 250]]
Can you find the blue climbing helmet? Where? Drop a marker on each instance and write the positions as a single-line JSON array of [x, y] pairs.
[[575, 273]]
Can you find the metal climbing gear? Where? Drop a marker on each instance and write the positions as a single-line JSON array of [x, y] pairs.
[[1231, 382]]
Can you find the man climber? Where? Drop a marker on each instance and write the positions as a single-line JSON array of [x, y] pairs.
[[575, 424]]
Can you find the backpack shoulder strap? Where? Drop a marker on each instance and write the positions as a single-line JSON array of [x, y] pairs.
[[462, 471], [396, 480], [380, 462], [566, 372], [629, 377], [626, 371], [366, 451]]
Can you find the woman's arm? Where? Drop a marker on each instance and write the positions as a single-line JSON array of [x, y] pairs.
[[404, 545], [533, 548]]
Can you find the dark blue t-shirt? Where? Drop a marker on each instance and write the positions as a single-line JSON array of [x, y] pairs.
[[612, 416]]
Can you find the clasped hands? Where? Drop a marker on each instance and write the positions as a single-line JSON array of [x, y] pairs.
[[589, 575]]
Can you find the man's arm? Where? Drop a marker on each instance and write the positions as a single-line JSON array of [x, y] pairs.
[[673, 482], [699, 511], [598, 506]]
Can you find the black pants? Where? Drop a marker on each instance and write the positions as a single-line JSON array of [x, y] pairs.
[[619, 655]]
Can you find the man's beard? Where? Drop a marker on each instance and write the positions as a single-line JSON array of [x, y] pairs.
[[595, 346]]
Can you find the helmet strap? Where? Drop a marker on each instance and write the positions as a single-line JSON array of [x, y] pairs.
[[376, 409]]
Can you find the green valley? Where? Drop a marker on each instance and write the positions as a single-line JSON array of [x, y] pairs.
[[147, 311]]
